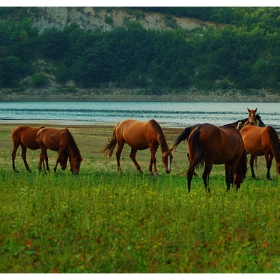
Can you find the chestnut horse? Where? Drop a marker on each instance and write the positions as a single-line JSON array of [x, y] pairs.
[[252, 119], [259, 141], [140, 136], [209, 144], [61, 141], [24, 136]]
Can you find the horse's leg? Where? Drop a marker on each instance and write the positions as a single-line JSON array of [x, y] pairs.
[[205, 176], [153, 161], [47, 161], [14, 152], [256, 166], [43, 158], [23, 155], [229, 175], [190, 173], [252, 159], [41, 161], [188, 156], [118, 155], [133, 158], [268, 158], [57, 161]]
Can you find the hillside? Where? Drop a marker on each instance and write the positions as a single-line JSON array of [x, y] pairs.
[[106, 19], [177, 58]]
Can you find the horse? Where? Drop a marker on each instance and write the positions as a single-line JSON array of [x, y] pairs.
[[259, 141], [24, 136], [63, 142], [210, 144], [253, 119], [140, 135]]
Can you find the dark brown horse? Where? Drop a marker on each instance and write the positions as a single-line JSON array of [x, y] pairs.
[[140, 136], [24, 136], [259, 141], [210, 144], [63, 142]]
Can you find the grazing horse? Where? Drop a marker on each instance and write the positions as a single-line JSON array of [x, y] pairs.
[[25, 136], [140, 136], [259, 141], [210, 144], [63, 142]]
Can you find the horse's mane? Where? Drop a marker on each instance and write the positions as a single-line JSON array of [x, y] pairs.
[[274, 138], [72, 143], [161, 137]]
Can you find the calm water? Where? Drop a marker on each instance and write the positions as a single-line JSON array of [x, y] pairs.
[[175, 114]]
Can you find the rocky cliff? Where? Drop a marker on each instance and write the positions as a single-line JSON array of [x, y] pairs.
[[106, 19]]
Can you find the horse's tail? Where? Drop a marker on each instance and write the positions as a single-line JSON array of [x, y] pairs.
[[184, 135], [109, 148], [241, 168], [198, 150]]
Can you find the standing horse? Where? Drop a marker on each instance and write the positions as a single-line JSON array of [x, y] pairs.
[[140, 136], [24, 136], [61, 141], [210, 144], [252, 120], [259, 141]]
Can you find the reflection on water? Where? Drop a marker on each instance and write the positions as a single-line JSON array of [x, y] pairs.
[[176, 114]]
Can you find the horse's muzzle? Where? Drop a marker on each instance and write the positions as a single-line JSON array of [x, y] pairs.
[[168, 171]]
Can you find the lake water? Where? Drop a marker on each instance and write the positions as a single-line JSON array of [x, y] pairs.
[[174, 114]]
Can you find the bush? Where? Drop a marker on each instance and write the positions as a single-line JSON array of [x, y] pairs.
[[39, 80]]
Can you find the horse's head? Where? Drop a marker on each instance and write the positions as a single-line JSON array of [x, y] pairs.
[[167, 157], [75, 164], [252, 116], [63, 158]]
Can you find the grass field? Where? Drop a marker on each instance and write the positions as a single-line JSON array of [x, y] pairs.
[[102, 222]]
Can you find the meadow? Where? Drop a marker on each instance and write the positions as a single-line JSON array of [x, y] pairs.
[[101, 221]]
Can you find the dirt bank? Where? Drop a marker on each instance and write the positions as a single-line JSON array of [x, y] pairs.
[[138, 95]]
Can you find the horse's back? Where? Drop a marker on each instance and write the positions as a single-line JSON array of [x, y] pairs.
[[50, 137], [26, 135], [260, 138], [136, 134], [222, 143]]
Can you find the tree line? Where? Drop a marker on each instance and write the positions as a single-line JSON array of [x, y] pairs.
[[241, 56]]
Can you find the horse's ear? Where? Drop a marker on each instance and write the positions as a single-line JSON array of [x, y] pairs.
[[248, 109], [256, 110]]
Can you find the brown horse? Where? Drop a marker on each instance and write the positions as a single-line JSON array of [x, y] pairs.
[[63, 142], [252, 119], [24, 136], [210, 144], [259, 141], [140, 136]]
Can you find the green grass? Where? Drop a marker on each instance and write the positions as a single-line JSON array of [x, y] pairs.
[[100, 222], [104, 222]]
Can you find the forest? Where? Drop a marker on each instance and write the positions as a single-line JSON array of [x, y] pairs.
[[243, 53]]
